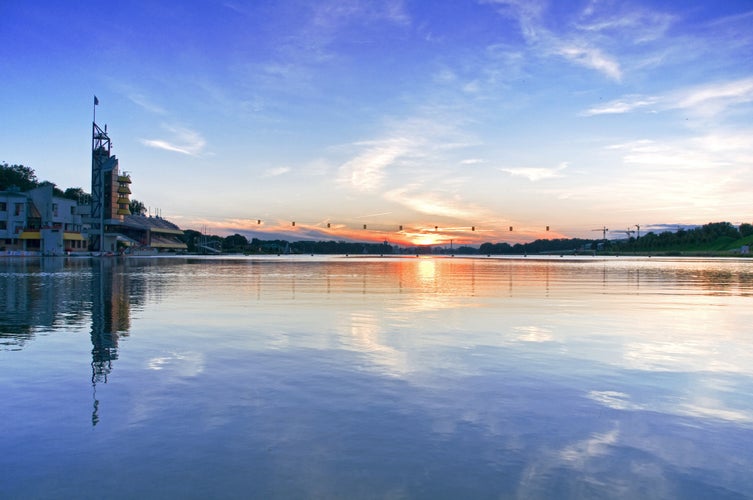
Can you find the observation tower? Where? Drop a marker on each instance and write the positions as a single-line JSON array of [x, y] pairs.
[[110, 192]]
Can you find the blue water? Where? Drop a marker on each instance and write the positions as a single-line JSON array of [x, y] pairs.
[[352, 377]]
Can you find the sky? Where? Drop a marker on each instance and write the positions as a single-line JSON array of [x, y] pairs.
[[411, 121]]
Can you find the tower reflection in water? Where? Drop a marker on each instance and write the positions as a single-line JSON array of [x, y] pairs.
[[110, 320]]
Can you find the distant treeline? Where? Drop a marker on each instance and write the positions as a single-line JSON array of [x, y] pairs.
[[570, 245], [715, 236], [237, 243]]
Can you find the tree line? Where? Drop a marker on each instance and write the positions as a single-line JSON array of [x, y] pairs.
[[711, 236], [237, 243]]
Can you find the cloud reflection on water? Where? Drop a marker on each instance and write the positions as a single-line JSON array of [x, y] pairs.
[[534, 378]]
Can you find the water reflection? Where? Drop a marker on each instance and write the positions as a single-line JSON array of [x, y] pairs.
[[40, 295], [368, 377], [57, 295], [110, 319]]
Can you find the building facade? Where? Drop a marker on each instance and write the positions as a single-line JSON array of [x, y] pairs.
[[37, 221]]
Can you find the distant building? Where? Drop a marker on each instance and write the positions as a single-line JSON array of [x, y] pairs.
[[13, 210], [37, 221], [151, 232]]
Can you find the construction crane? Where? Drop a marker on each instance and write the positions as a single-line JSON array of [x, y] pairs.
[[627, 232], [603, 232]]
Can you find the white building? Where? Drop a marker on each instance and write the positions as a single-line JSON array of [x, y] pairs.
[[37, 221]]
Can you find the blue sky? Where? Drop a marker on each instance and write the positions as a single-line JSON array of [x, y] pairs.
[[437, 116]]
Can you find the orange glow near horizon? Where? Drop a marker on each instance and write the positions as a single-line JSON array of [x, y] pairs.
[[420, 234]]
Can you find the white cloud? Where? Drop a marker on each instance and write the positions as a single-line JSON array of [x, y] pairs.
[[409, 142], [145, 103], [418, 199], [714, 98], [366, 171], [625, 104], [472, 161], [704, 177], [277, 171], [136, 96], [534, 174], [591, 57], [639, 25], [572, 44], [527, 13], [705, 100], [718, 149], [183, 140]]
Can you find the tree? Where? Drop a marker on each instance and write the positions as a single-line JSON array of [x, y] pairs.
[[20, 176], [191, 238], [78, 194], [746, 229], [235, 243], [56, 191], [136, 207]]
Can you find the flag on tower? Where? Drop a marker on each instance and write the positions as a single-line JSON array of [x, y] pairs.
[[96, 101]]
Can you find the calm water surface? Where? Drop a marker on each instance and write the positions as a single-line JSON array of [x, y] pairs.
[[339, 377]]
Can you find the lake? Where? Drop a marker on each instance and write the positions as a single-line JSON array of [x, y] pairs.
[[369, 377]]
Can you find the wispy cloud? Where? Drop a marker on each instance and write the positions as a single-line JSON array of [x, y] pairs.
[[705, 100], [591, 57], [602, 36], [714, 98], [699, 176], [330, 15], [182, 140], [276, 172], [326, 24], [409, 142], [568, 42], [713, 150], [136, 95], [534, 174], [366, 216], [624, 104], [366, 171], [418, 166], [418, 199], [640, 25], [145, 103]]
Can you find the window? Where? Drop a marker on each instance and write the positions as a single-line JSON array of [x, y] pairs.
[[3, 206], [54, 209], [3, 225], [19, 208]]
